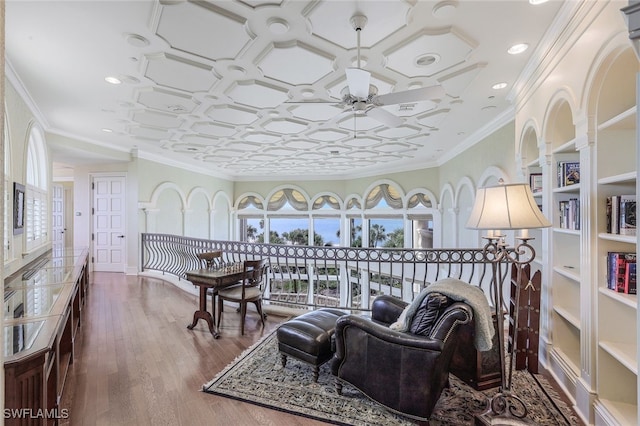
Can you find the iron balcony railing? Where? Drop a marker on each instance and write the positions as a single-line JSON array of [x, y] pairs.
[[342, 277]]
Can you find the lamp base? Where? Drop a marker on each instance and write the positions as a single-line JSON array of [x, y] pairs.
[[504, 408]]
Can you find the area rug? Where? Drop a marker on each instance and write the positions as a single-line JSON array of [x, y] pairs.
[[257, 377]]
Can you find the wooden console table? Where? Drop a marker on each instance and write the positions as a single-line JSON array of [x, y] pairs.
[[207, 279], [43, 304]]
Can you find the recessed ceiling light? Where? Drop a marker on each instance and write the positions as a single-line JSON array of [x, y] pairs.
[[137, 40], [428, 59], [499, 86], [112, 80], [534, 2], [307, 93], [518, 48], [106, 130]]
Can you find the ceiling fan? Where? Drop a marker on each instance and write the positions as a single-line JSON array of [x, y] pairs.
[[360, 96]]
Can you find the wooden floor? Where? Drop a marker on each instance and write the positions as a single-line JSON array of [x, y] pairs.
[[137, 363]]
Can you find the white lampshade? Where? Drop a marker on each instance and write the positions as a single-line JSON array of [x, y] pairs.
[[506, 207]]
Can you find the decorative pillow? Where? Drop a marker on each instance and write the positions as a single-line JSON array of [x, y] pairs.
[[427, 313]]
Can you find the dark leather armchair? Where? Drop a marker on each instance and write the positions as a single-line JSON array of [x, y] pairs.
[[404, 372]]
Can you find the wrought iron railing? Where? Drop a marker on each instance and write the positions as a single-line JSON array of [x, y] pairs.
[[343, 277]]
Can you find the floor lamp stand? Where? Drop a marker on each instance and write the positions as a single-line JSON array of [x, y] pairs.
[[505, 407]]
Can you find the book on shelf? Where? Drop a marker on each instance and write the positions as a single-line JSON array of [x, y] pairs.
[[630, 278], [621, 214], [627, 215], [620, 277], [569, 214], [535, 182], [568, 173]]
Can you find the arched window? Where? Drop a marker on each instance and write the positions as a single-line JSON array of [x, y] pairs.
[[326, 220], [420, 213], [36, 207], [386, 227], [251, 220], [288, 198]]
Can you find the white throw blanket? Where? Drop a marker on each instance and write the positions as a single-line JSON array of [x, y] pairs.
[[458, 291]]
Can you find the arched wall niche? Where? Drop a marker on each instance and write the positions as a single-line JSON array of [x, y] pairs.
[[464, 197], [605, 96], [492, 176], [196, 223], [221, 220], [170, 218], [158, 190], [446, 207], [559, 121], [530, 148]]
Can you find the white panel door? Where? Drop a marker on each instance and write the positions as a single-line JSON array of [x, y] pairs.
[[109, 223], [57, 219]]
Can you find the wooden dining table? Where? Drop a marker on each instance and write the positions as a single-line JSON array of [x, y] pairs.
[[213, 279]]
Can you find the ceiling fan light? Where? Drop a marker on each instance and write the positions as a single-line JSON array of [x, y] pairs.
[[358, 81]]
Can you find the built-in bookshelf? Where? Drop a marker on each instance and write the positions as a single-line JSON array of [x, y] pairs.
[[581, 134], [535, 175], [616, 165], [566, 248]]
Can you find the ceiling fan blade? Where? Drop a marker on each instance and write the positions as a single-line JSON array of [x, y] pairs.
[[385, 117], [408, 96], [358, 81], [313, 101]]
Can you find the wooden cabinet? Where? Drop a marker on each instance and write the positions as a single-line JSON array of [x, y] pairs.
[[42, 307], [480, 370]]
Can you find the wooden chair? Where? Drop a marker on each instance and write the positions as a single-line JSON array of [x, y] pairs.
[[211, 259], [249, 290]]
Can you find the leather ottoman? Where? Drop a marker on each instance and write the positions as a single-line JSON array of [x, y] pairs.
[[308, 338]]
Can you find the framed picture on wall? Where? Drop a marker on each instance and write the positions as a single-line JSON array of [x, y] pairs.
[[18, 208]]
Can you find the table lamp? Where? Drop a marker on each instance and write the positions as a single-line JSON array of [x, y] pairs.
[[497, 208]]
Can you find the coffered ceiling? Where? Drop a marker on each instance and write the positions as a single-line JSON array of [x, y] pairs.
[[254, 89]]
